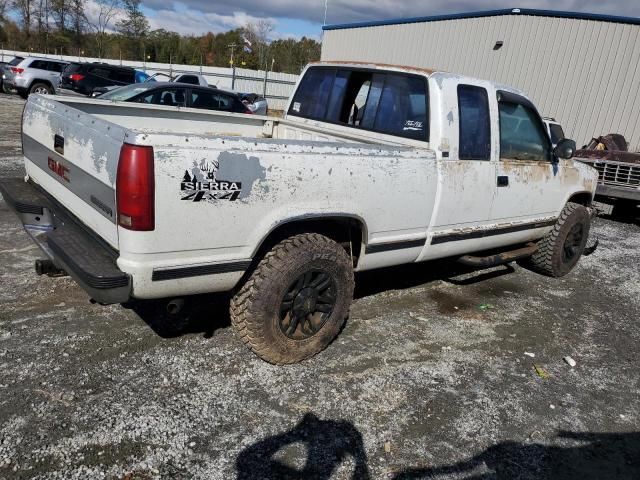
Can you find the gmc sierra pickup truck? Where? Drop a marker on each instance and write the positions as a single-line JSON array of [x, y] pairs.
[[372, 166]]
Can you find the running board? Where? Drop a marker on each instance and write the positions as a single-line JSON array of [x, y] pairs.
[[500, 258]]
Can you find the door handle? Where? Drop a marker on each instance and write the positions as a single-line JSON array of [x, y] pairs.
[[503, 181]]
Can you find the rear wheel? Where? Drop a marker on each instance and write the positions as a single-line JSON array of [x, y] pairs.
[[41, 88], [559, 251], [296, 300]]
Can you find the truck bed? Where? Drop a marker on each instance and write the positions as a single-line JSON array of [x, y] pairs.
[[144, 118]]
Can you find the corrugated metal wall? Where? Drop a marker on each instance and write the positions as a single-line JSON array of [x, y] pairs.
[[584, 73]]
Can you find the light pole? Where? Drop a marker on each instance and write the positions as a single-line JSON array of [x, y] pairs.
[[326, 5]]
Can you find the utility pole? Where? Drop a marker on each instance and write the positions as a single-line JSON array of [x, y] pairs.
[[232, 46]]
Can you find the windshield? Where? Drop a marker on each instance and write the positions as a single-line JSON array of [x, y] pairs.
[[126, 93]]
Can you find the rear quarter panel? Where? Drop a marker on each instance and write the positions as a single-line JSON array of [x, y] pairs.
[[263, 184]]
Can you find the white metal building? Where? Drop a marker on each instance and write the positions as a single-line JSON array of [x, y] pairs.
[[582, 69]]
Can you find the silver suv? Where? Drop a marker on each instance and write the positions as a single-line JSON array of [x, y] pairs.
[[36, 75]]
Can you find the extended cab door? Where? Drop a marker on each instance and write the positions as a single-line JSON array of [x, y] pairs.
[[467, 168], [529, 179]]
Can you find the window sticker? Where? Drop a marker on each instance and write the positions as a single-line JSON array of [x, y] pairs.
[[413, 125], [296, 106]]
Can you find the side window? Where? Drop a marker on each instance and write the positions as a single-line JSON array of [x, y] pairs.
[[474, 123], [122, 76], [402, 110], [373, 100], [334, 112], [212, 101], [395, 104], [99, 72], [522, 136], [171, 97], [39, 64], [55, 67], [312, 97], [191, 79]]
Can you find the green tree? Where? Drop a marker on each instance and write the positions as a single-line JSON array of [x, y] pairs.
[[133, 28]]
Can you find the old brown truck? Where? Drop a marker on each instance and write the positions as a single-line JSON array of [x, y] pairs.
[[618, 172]]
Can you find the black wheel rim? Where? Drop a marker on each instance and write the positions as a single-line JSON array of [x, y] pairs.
[[573, 243], [307, 305]]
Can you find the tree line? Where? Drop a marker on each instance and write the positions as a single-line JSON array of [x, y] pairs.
[[119, 29]]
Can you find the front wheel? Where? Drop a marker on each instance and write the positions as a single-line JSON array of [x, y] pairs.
[[296, 300], [41, 88], [559, 251]]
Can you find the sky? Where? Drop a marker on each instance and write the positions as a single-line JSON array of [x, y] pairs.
[[297, 18]]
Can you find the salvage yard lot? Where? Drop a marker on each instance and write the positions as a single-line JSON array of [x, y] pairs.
[[429, 378]]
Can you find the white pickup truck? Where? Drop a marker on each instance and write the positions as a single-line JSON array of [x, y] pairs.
[[372, 166]]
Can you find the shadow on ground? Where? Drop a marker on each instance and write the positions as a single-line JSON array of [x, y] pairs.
[[327, 444], [204, 314], [201, 314], [598, 456]]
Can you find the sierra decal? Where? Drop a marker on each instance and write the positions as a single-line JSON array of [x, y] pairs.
[[201, 184]]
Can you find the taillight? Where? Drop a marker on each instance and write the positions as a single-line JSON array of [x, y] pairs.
[[17, 70], [76, 77], [135, 188]]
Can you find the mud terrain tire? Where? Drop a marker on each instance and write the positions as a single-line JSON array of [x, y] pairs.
[[559, 251], [296, 300]]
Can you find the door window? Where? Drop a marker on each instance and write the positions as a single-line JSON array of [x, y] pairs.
[[213, 101], [55, 67], [122, 76], [474, 123], [522, 136], [171, 97], [39, 64], [99, 72]]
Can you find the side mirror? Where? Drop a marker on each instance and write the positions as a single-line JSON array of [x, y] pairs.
[[565, 149]]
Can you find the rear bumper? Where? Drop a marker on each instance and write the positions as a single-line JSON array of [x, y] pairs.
[[618, 192], [90, 262]]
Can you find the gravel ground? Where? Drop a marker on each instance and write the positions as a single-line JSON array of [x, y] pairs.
[[429, 378]]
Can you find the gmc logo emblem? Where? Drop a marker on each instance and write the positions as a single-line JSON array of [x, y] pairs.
[[58, 168]]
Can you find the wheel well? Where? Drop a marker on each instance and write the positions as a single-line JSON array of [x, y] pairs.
[[582, 198], [38, 80], [347, 231]]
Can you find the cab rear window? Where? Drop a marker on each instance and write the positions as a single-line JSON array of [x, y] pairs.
[[385, 102]]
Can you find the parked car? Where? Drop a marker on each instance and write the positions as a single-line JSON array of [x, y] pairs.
[[84, 78], [137, 201], [618, 172], [35, 75], [192, 79], [178, 95], [554, 129], [7, 74]]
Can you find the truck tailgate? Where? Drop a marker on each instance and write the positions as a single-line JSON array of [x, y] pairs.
[[74, 157]]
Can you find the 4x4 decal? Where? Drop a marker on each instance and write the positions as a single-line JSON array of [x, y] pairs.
[[202, 185]]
